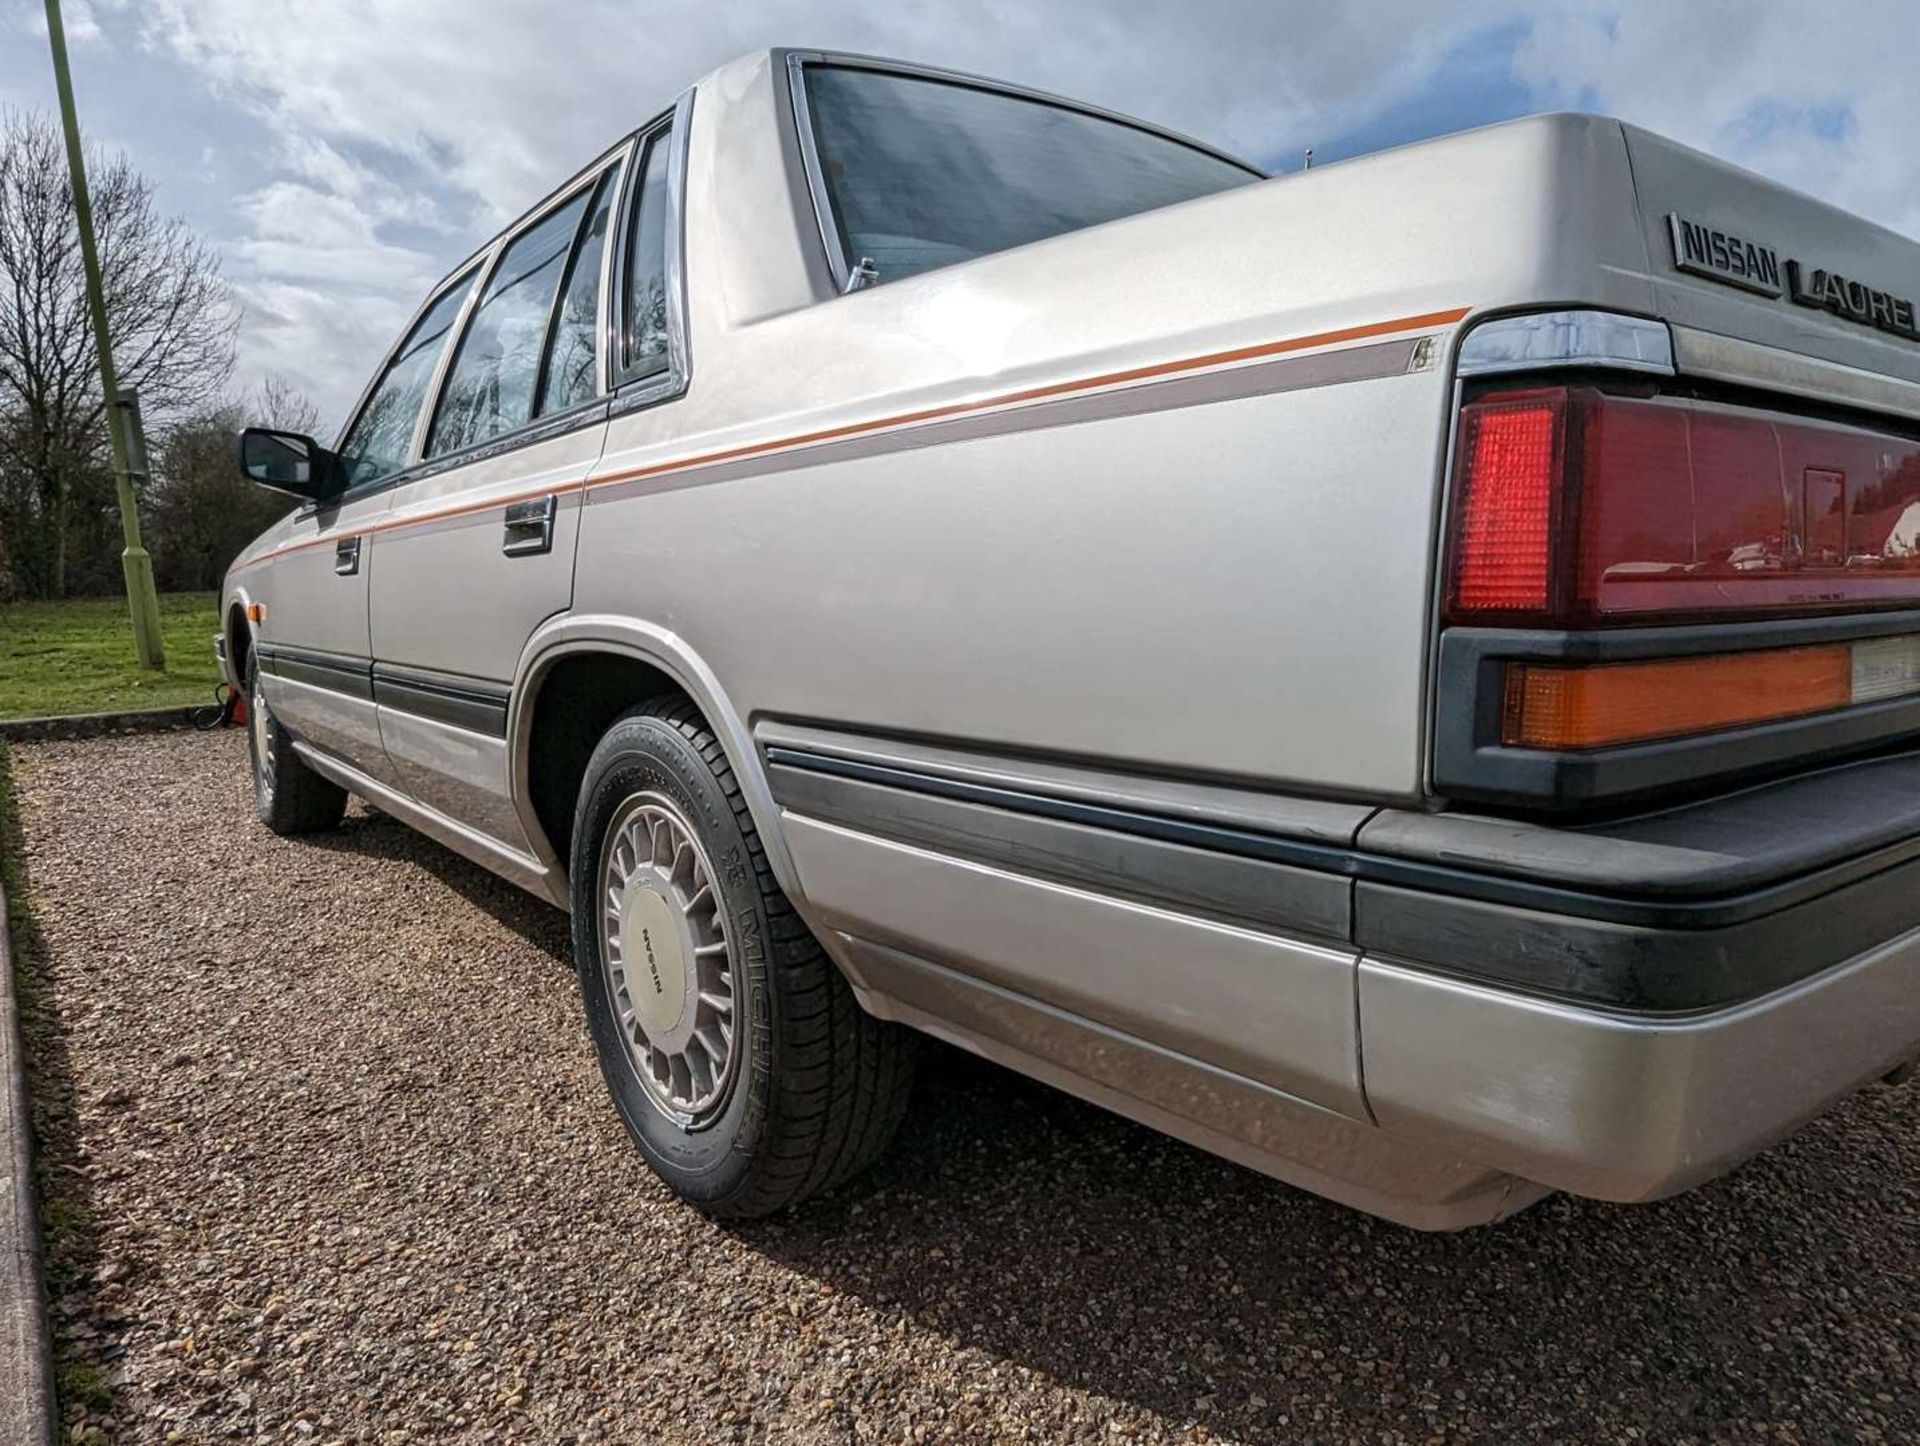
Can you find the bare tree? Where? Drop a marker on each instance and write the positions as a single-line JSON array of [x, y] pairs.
[[280, 404], [170, 315], [200, 510]]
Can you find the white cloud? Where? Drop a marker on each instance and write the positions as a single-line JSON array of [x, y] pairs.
[[77, 22], [498, 98], [453, 115], [398, 135], [1822, 98]]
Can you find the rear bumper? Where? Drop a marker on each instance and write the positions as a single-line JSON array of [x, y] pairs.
[[1623, 1107], [1618, 1008], [1654, 998]]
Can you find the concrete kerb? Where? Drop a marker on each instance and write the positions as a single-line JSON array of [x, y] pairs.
[[26, 1361]]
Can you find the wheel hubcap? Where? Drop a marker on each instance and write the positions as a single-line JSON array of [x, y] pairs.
[[664, 952]]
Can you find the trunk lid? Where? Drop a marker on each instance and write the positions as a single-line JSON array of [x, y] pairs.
[[1735, 254]]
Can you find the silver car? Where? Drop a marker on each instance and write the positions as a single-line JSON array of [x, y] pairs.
[[1406, 675]]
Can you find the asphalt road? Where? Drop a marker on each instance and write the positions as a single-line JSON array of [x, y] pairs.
[[326, 1156]]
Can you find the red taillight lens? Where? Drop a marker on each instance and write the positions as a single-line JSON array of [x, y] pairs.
[[1577, 507], [1512, 451]]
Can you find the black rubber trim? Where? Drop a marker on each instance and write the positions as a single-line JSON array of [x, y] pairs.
[[1470, 762], [475, 704], [1218, 837], [1450, 879], [1642, 953], [336, 672], [1778, 840], [1623, 966], [1224, 885]]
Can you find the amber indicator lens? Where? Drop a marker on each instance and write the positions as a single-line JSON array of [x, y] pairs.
[[1569, 706]]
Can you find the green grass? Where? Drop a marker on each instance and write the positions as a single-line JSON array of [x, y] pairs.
[[77, 656]]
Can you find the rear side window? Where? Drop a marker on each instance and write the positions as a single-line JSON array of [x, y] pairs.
[[491, 386], [923, 173], [381, 437], [646, 268], [567, 378]]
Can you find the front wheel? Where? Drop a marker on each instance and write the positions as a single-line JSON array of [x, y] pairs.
[[288, 796], [736, 1053]]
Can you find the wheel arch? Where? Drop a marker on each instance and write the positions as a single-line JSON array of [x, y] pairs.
[[240, 636], [556, 651]]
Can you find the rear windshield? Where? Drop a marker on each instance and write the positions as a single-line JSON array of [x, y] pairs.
[[922, 173]]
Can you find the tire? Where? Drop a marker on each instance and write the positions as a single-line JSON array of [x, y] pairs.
[[289, 797], [811, 1088]]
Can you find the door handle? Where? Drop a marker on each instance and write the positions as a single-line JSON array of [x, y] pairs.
[[530, 527], [346, 556]]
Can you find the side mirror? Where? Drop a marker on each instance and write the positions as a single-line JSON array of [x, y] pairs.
[[292, 463]]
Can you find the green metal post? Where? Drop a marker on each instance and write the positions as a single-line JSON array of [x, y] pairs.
[[141, 599]]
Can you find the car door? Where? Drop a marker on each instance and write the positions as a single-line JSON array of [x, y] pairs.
[[478, 546], [314, 641]]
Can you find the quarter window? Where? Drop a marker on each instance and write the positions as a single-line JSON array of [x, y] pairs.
[[568, 375], [923, 172], [381, 438], [646, 269], [490, 388]]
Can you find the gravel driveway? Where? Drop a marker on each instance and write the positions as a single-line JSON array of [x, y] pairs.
[[326, 1156]]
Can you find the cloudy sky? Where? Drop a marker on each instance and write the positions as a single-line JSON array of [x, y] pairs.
[[343, 154]]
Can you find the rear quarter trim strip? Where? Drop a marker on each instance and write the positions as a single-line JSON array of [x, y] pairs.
[[1223, 886]]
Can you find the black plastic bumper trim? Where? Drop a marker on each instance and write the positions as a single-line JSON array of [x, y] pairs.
[[1230, 886], [1645, 954], [1636, 968]]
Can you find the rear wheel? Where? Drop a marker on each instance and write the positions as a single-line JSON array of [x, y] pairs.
[[738, 1058], [288, 796]]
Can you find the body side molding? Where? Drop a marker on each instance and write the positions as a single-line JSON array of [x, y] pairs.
[[476, 704]]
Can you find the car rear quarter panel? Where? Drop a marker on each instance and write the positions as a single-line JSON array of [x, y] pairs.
[[1162, 492]]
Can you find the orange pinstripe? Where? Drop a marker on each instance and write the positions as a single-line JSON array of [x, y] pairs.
[[907, 419]]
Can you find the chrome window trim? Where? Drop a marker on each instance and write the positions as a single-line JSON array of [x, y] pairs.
[[1537, 341], [540, 429], [457, 333], [481, 255], [632, 393], [607, 318], [544, 370], [469, 270], [496, 252], [799, 60]]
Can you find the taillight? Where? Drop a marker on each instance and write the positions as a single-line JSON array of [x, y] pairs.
[[1576, 507], [1512, 451]]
